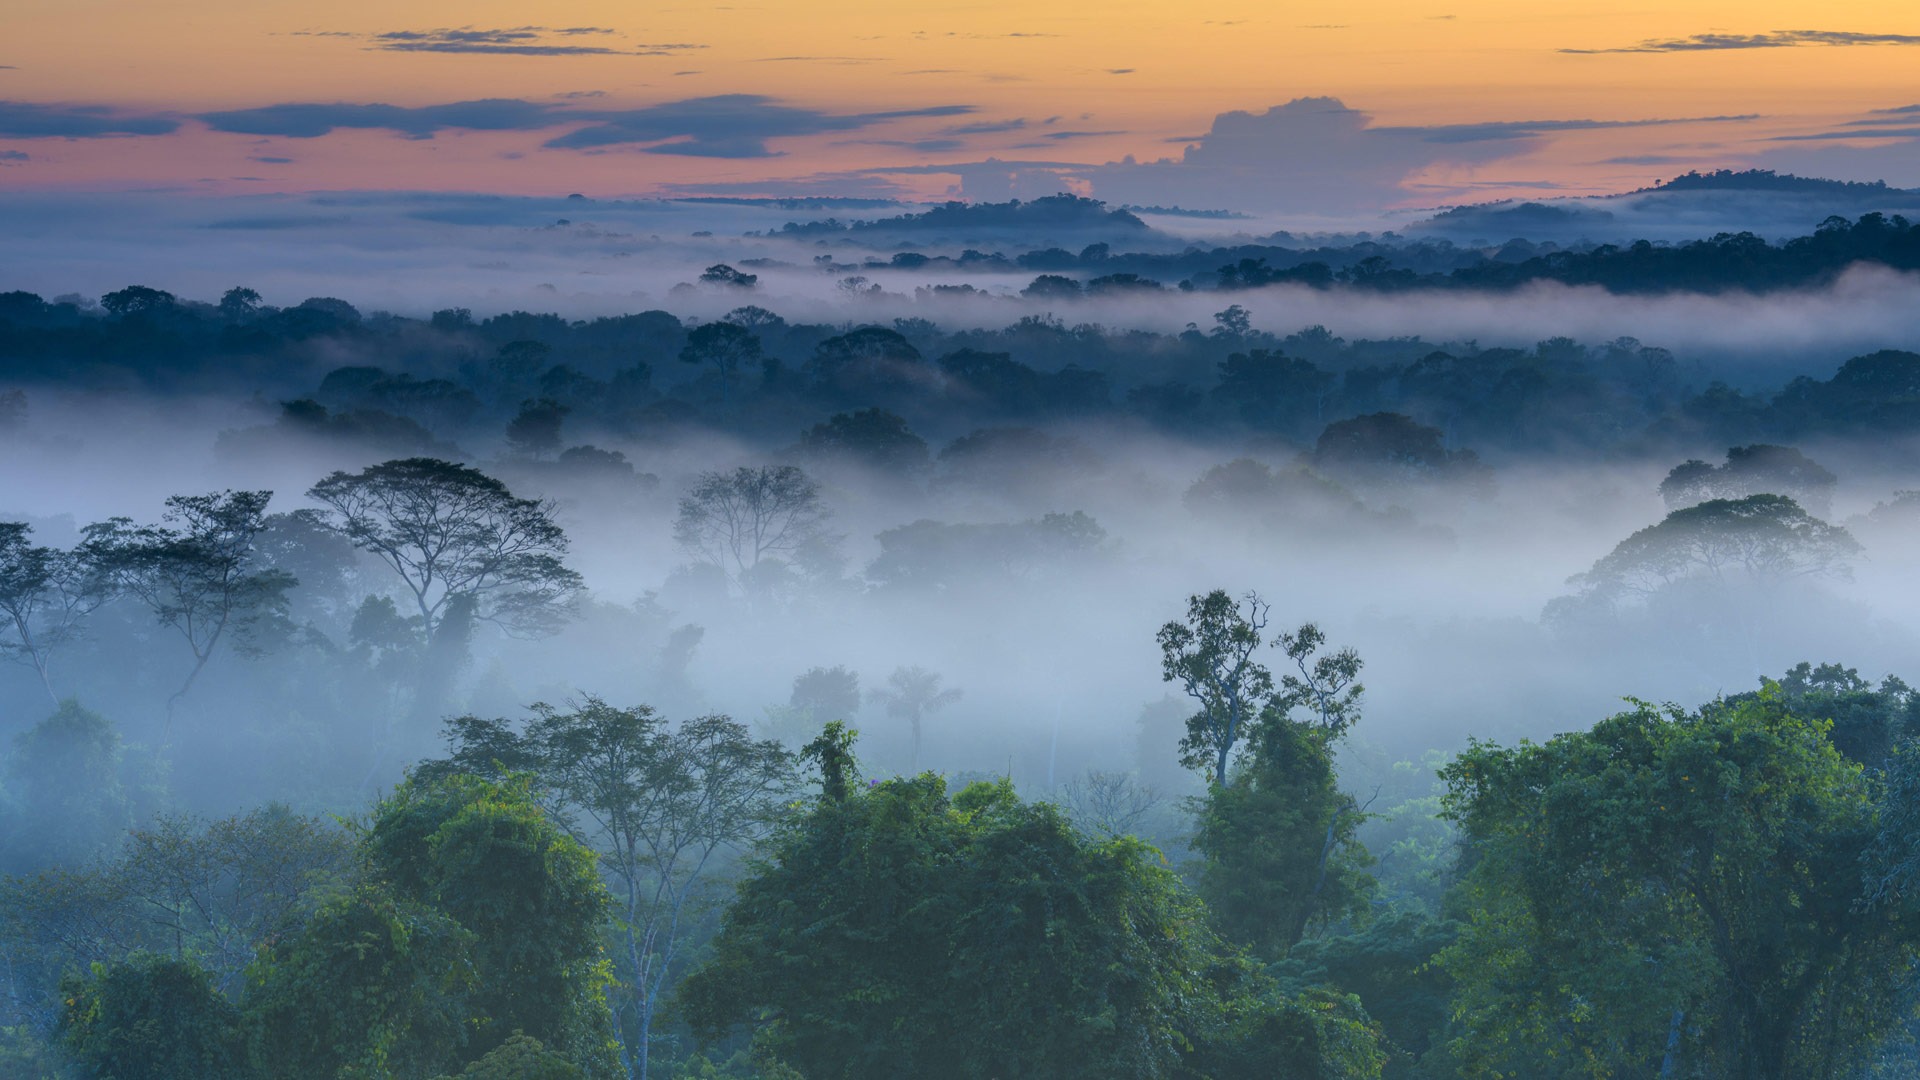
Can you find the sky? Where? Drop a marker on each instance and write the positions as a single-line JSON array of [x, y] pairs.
[[1234, 105]]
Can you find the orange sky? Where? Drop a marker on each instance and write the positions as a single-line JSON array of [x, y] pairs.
[[1135, 74]]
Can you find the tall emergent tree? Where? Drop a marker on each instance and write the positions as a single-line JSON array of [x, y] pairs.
[[1673, 894], [45, 596], [199, 573], [658, 804], [459, 541], [1210, 654]]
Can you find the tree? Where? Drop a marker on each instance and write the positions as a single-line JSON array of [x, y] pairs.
[[520, 1058], [199, 573], [722, 274], [239, 304], [1278, 839], [1760, 469], [1868, 722], [529, 895], [1671, 892], [152, 1017], [137, 300], [64, 776], [1109, 803], [1393, 448], [457, 538], [829, 693], [1210, 655], [658, 805], [1762, 540], [1329, 688], [897, 931], [751, 521], [535, 430], [45, 596], [911, 694], [723, 346], [874, 438], [372, 986]]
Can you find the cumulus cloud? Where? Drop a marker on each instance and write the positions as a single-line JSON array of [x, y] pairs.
[[1319, 154], [31, 120], [1777, 39], [724, 126]]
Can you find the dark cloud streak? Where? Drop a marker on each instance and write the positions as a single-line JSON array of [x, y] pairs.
[[721, 126], [1778, 39], [31, 120]]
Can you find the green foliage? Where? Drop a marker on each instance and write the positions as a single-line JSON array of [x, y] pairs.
[[374, 987], [520, 1058], [1278, 840], [152, 1017], [898, 931], [1315, 1034], [1388, 966], [1210, 654], [486, 854], [1867, 720], [1670, 890]]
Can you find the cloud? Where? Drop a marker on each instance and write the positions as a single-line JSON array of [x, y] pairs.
[[514, 41], [13, 157], [1119, 71], [817, 59], [919, 146], [1064, 135], [725, 125], [310, 121], [1533, 129], [30, 120], [1317, 154], [1778, 39], [1647, 159], [985, 127], [1866, 133], [264, 160]]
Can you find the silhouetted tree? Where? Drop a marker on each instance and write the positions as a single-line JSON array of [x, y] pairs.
[[911, 694], [200, 573], [452, 532]]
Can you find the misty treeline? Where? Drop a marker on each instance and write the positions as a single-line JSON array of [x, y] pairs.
[[1741, 261], [599, 890], [547, 387]]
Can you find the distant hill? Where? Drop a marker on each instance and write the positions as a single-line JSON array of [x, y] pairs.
[[1053, 214], [1768, 180], [1691, 206]]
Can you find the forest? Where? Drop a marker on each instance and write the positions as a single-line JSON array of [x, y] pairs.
[[965, 691]]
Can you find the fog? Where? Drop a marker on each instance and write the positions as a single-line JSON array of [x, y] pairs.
[[1056, 658]]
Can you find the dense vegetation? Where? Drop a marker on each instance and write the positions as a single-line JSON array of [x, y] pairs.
[[419, 747], [596, 892]]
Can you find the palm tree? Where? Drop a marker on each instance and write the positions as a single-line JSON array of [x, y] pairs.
[[911, 693]]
